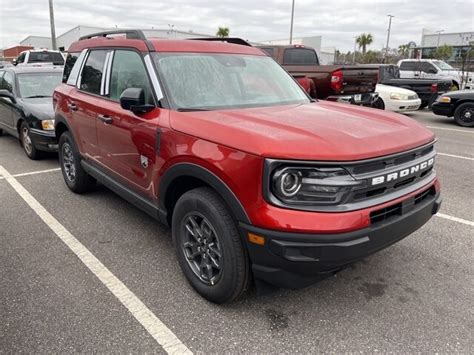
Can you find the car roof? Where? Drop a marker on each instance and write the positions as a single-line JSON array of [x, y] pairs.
[[35, 69], [165, 45]]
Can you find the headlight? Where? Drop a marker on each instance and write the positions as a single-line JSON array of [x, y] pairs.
[[311, 185], [395, 96], [47, 125], [444, 99]]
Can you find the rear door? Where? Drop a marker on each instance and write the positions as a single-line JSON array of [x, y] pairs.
[[407, 69], [127, 140]]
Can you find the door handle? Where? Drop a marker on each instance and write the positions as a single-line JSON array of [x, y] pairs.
[[106, 119], [72, 106]]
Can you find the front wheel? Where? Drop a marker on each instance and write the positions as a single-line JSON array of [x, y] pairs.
[[379, 104], [74, 175], [464, 114], [208, 246], [27, 143]]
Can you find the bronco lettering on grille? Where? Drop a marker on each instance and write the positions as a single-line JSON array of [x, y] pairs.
[[402, 173]]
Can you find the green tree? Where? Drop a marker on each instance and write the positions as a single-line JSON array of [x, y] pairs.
[[223, 32], [364, 40], [443, 52], [403, 50]]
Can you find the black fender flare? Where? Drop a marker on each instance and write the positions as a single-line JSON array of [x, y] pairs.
[[201, 173]]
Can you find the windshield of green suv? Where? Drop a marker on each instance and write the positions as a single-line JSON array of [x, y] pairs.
[[443, 65], [32, 85], [209, 81]]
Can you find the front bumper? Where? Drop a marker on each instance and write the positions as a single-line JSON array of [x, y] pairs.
[[44, 140], [295, 260], [404, 105], [442, 109], [366, 99]]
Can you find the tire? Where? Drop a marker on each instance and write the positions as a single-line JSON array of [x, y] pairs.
[[200, 213], [74, 175], [27, 144], [464, 114], [1, 132], [379, 104], [423, 105]]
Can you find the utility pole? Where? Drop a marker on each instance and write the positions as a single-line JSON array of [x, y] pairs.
[[439, 35], [53, 29], [291, 24], [388, 34]]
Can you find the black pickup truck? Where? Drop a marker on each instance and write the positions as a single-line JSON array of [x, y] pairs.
[[428, 90]]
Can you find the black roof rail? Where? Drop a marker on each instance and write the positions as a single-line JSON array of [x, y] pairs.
[[233, 40], [129, 34]]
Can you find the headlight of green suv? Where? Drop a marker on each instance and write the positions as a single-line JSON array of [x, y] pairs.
[[294, 185]]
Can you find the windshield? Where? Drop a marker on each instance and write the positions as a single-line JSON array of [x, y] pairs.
[[443, 65], [38, 84], [46, 57], [209, 81]]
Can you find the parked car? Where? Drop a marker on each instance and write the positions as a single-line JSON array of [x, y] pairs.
[[435, 69], [427, 90], [254, 178], [350, 84], [459, 104], [26, 107], [4, 64], [39, 57], [392, 98]]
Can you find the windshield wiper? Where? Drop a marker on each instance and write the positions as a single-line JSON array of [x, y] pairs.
[[191, 109], [36, 96]]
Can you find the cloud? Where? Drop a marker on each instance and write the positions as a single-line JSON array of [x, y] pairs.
[[338, 21]]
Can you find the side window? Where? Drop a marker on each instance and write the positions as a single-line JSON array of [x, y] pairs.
[[428, 68], [92, 72], [268, 50], [21, 58], [128, 71], [70, 61], [6, 83], [300, 56]]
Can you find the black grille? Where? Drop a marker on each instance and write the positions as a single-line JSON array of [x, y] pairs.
[[386, 213], [425, 195]]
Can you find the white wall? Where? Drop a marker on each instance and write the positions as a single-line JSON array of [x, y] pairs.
[[430, 39], [37, 42]]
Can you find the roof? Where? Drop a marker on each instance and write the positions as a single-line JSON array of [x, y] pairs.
[[35, 69], [165, 45]]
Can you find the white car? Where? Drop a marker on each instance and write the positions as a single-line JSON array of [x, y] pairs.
[[392, 98], [435, 69], [39, 57]]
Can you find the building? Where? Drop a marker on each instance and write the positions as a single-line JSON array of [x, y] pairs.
[[8, 54], [326, 54], [67, 38], [462, 43]]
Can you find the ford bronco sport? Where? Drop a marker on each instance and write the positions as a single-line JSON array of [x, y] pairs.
[[256, 179]]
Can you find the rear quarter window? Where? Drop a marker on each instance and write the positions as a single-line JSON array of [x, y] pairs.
[[70, 61], [300, 56]]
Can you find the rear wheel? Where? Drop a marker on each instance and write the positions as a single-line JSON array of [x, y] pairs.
[[27, 144], [74, 175], [208, 246], [464, 114]]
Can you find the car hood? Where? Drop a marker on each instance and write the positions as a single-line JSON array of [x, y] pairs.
[[388, 89], [316, 131], [39, 108]]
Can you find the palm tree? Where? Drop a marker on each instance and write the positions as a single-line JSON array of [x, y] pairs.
[[223, 32], [364, 40], [403, 49]]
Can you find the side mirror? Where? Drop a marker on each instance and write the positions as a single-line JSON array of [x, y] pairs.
[[133, 99], [8, 95], [15, 61]]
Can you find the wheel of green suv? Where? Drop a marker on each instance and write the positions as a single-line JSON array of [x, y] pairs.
[[74, 175], [27, 144], [208, 246], [464, 114]]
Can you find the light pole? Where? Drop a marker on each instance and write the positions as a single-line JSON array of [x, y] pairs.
[[53, 29], [292, 17], [439, 35], [388, 34]]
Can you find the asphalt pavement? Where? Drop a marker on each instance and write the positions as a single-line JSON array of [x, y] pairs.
[[416, 296]]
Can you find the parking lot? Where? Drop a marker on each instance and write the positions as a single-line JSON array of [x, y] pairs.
[[92, 273]]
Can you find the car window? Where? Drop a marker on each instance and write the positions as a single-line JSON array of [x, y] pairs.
[[128, 71], [409, 66], [427, 67], [300, 56], [91, 75], [32, 85], [21, 58], [70, 61], [46, 57], [6, 83], [269, 51]]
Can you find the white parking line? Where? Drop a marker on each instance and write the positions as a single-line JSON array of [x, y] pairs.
[[455, 219], [34, 172], [451, 129], [154, 326], [455, 156]]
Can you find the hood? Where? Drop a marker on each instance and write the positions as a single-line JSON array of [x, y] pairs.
[[388, 89], [317, 131], [40, 108]]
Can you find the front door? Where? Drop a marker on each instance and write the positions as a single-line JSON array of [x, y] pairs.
[[7, 82]]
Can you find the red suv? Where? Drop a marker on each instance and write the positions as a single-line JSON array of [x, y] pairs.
[[257, 180]]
